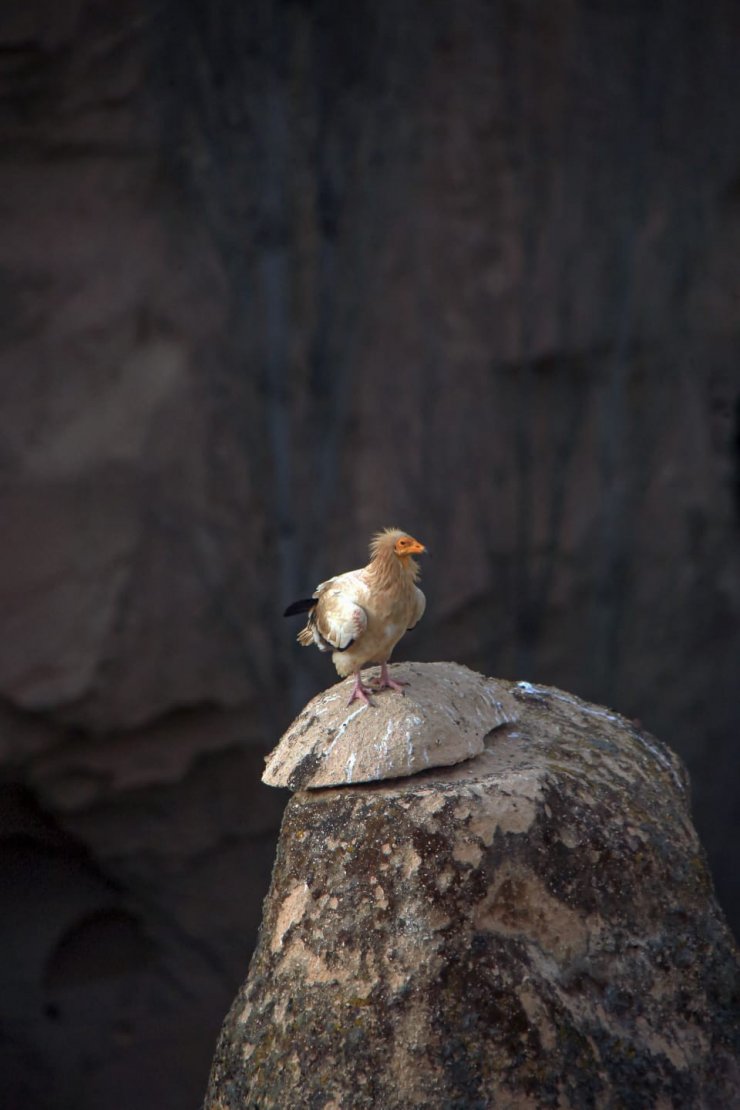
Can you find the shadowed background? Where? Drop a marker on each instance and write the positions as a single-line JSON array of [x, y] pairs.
[[272, 276]]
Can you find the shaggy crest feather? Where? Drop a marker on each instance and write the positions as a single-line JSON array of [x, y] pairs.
[[384, 541]]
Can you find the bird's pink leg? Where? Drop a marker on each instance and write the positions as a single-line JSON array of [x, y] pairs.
[[359, 691], [385, 681]]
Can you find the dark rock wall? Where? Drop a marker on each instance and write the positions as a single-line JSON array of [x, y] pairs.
[[272, 276]]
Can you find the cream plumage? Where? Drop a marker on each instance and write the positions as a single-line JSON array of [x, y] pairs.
[[360, 616]]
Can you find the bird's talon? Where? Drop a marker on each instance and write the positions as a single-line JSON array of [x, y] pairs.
[[356, 696], [385, 682], [360, 693], [377, 685]]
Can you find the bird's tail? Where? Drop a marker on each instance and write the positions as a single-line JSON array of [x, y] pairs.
[[305, 605]]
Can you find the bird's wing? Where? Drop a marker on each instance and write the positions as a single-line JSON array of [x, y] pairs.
[[340, 618], [421, 604]]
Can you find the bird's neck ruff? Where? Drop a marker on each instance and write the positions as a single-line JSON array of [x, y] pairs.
[[388, 570]]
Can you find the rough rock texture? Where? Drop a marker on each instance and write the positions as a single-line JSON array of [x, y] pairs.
[[442, 718], [532, 928]]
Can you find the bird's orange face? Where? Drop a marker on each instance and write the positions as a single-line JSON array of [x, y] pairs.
[[407, 545]]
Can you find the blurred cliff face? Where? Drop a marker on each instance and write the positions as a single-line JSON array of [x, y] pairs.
[[271, 279]]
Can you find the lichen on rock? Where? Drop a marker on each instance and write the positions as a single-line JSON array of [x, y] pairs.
[[534, 927]]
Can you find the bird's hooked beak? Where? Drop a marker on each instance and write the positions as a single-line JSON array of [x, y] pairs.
[[406, 546]]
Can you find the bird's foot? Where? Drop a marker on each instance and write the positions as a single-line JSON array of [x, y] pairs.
[[360, 692], [385, 682]]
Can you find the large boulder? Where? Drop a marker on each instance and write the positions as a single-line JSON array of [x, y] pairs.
[[533, 927]]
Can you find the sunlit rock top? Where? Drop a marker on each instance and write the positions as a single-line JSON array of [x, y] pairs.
[[442, 718]]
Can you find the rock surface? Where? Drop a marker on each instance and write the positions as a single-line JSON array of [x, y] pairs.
[[532, 928], [442, 718]]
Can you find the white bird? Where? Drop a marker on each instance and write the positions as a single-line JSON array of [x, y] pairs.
[[361, 615]]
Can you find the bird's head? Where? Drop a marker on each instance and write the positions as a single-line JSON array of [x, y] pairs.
[[407, 545], [393, 543]]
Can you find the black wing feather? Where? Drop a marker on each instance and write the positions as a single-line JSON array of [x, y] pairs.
[[303, 606]]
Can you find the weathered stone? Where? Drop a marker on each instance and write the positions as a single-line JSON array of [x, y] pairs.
[[535, 927], [442, 718]]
